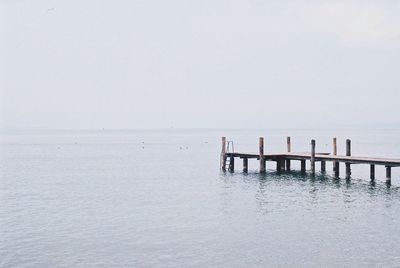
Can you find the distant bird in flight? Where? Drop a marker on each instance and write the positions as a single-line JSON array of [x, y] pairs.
[[49, 9]]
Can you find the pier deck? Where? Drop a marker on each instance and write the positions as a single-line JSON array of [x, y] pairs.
[[284, 159]]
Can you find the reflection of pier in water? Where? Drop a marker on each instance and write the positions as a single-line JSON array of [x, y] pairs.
[[283, 160]]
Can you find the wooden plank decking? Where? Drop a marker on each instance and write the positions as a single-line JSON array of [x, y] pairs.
[[393, 162]]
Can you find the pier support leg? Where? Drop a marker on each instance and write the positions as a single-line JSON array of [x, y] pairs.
[[323, 167], [388, 175], [223, 165], [336, 169], [261, 150], [372, 172], [232, 164], [283, 162], [245, 165], [334, 152], [278, 165], [313, 157], [303, 166], [348, 153], [287, 164], [348, 171], [223, 155]]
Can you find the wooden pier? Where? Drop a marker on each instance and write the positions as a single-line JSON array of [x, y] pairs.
[[283, 160]]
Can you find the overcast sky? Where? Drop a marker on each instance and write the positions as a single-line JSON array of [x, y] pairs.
[[183, 64]]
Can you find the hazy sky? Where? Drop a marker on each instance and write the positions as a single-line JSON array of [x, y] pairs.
[[157, 64]]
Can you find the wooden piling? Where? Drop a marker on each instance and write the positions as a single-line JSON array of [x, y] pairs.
[[245, 165], [303, 166], [313, 157], [388, 174], [261, 155], [283, 162], [278, 165], [348, 153], [372, 172], [323, 166], [337, 168], [232, 164], [334, 153], [289, 149], [223, 154]]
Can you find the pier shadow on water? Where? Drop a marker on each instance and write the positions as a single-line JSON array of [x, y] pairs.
[[318, 182], [292, 196]]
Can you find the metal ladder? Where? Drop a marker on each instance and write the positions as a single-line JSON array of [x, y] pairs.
[[230, 146]]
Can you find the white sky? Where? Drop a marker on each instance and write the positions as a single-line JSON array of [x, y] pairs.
[[241, 64]]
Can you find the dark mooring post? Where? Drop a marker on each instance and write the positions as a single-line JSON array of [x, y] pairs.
[[289, 149], [372, 172], [313, 157], [245, 165], [303, 166], [348, 153], [388, 175], [261, 156], [232, 164], [223, 154], [334, 153]]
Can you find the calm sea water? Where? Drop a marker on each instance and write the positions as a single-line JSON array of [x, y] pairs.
[[157, 199]]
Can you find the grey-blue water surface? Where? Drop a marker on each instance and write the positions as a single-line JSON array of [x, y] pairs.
[[156, 198]]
